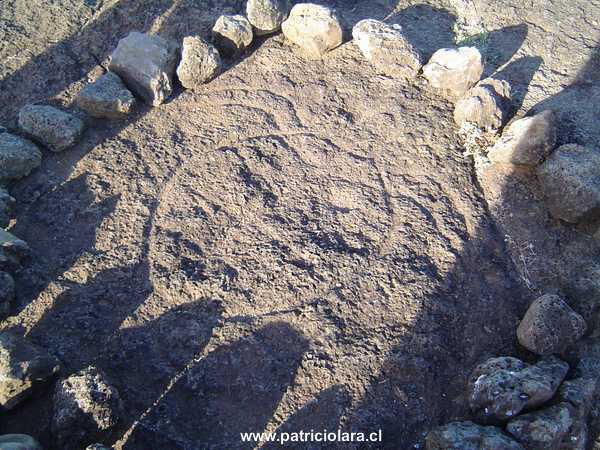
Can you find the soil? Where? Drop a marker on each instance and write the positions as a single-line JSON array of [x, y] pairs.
[[298, 245]]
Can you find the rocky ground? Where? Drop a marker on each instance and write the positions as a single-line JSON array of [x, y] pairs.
[[298, 244]]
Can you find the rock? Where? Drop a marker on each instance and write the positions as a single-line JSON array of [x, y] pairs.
[[486, 105], [86, 406], [544, 429], [56, 129], [18, 157], [107, 98], [266, 16], [13, 251], [588, 368], [7, 204], [570, 181], [314, 28], [146, 63], [526, 141], [97, 447], [7, 294], [232, 34], [18, 442], [200, 62], [550, 326], [24, 367], [503, 387], [386, 48], [582, 286], [469, 436], [454, 70]]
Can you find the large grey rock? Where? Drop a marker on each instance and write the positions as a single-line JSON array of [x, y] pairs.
[[7, 204], [24, 367], [18, 157], [56, 129], [314, 28], [386, 48], [544, 429], [469, 436], [200, 62], [7, 293], [526, 141], [486, 105], [232, 34], [454, 70], [13, 251], [107, 97], [146, 63], [18, 442], [266, 16], [503, 387], [570, 181], [86, 407], [550, 326]]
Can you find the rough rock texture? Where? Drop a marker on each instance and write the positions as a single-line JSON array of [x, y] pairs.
[[18, 157], [469, 436], [580, 394], [7, 204], [18, 442], [314, 28], [454, 70], [386, 48], [97, 447], [13, 251], [544, 429], [503, 387], [582, 287], [56, 129], [486, 105], [86, 406], [526, 141], [200, 62], [232, 34], [146, 63], [570, 181], [107, 97], [7, 293], [266, 16], [23, 368]]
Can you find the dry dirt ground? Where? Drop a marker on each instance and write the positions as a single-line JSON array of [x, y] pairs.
[[299, 245]]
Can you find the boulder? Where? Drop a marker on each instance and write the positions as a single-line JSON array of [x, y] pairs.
[[7, 294], [526, 141], [486, 105], [18, 157], [544, 429], [24, 367], [314, 28], [13, 251], [266, 16], [200, 62], [18, 442], [570, 182], [51, 127], [386, 48], [454, 70], [86, 407], [550, 326], [106, 98], [7, 204], [146, 63], [232, 34], [503, 387], [469, 436]]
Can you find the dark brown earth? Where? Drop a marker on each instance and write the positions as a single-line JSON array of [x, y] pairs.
[[299, 245]]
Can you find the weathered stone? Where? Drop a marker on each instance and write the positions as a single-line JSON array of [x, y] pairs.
[[544, 429], [386, 48], [18, 442], [56, 129], [582, 286], [503, 387], [550, 326], [13, 251], [580, 394], [576, 438], [314, 28], [18, 157], [266, 16], [588, 368], [486, 105], [469, 436], [7, 204], [200, 62], [23, 368], [232, 34], [570, 181], [97, 447], [146, 63], [107, 98], [7, 293], [454, 70], [526, 141], [86, 406]]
